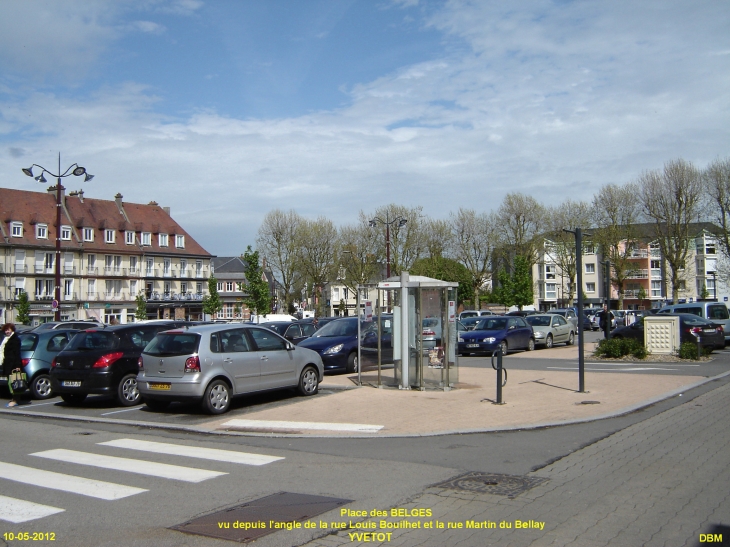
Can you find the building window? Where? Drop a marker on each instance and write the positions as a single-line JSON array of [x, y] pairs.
[[550, 291], [180, 241], [229, 286], [656, 288], [184, 288], [109, 236], [41, 231], [590, 268], [589, 249], [88, 234], [219, 287], [129, 237], [66, 233], [146, 238], [710, 248], [549, 271], [163, 240], [16, 229], [590, 287]]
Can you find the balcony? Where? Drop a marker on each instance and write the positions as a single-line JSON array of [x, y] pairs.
[[91, 270], [44, 269], [113, 295], [114, 271], [20, 268], [637, 253], [637, 274], [68, 270]]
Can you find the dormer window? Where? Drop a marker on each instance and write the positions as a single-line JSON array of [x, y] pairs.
[[180, 241], [163, 240], [16, 229], [88, 234], [41, 231], [146, 238], [109, 236], [66, 233], [129, 237]]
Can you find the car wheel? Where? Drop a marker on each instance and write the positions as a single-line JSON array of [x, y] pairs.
[[127, 392], [156, 404], [40, 387], [531, 344], [308, 381], [503, 346], [549, 341], [73, 398], [217, 397], [571, 338], [352, 363]]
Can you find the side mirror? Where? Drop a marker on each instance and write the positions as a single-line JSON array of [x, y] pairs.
[[290, 346]]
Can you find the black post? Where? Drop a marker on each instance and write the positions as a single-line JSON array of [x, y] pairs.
[[607, 319], [499, 376], [579, 288]]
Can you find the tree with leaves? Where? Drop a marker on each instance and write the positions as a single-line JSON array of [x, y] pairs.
[[22, 309], [140, 314], [446, 269], [257, 288], [212, 302], [515, 289]]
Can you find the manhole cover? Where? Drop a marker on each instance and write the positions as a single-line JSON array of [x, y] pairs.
[[491, 483], [254, 519]]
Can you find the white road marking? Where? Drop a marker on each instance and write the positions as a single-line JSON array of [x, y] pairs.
[[276, 424], [125, 410], [164, 470], [627, 364], [633, 369], [16, 511], [194, 452], [67, 483]]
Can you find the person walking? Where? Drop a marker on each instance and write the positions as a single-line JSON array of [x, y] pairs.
[[10, 358], [606, 321]]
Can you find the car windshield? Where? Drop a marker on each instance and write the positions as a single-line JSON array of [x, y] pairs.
[[538, 320], [341, 327], [173, 343], [93, 339], [431, 322], [499, 323]]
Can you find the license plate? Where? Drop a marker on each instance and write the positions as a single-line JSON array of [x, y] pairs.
[[709, 330], [472, 345], [163, 387], [70, 384]]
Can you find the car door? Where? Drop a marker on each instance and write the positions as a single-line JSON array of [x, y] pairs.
[[561, 329], [517, 334], [278, 366], [293, 333], [238, 358]]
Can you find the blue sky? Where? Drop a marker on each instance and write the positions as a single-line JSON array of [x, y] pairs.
[[224, 110]]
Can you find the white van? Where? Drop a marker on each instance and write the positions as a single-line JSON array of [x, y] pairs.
[[712, 311], [474, 313]]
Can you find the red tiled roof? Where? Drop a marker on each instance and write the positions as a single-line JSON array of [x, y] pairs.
[[32, 208]]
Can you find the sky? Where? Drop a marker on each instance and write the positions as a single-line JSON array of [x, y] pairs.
[[224, 110]]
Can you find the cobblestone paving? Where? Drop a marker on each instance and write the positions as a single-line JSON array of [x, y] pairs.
[[663, 481]]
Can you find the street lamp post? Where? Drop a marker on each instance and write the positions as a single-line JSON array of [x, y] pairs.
[[387, 222], [76, 170]]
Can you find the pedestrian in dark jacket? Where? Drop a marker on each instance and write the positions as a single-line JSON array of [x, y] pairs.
[[10, 356]]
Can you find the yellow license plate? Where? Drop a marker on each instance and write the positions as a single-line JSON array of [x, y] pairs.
[[163, 387]]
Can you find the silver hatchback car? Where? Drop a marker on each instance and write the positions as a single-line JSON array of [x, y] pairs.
[[213, 363]]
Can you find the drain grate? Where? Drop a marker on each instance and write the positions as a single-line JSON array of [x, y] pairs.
[[252, 520], [491, 483]]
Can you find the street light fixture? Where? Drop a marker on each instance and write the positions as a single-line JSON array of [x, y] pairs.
[[75, 170], [387, 222]]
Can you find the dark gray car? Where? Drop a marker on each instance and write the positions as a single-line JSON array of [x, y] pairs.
[[212, 363]]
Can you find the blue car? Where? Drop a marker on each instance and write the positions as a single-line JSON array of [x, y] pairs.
[[492, 332], [336, 343]]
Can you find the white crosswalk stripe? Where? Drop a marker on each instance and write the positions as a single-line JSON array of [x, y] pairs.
[[67, 483], [164, 470], [214, 454], [17, 511], [323, 426]]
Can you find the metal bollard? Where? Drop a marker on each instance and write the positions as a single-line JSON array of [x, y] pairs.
[[699, 348], [499, 369]]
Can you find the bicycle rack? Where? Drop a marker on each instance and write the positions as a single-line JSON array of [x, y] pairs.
[[498, 353]]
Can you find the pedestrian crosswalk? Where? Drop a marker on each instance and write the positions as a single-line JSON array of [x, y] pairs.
[[17, 510]]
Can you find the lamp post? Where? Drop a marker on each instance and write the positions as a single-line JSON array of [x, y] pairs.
[[578, 233], [387, 222], [76, 170]]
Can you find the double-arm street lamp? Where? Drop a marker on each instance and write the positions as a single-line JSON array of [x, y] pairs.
[[400, 221], [77, 171]]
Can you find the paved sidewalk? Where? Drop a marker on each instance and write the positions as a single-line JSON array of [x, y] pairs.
[[660, 482]]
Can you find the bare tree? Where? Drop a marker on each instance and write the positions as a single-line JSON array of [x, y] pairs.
[[616, 212], [671, 198], [317, 246], [561, 244], [359, 246], [277, 243], [406, 239], [437, 238], [475, 238], [716, 178], [521, 220]]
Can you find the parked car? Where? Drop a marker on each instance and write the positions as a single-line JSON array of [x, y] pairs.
[[431, 332], [551, 329], [492, 332], [103, 362], [712, 335], [522, 313], [596, 323], [78, 325], [210, 364], [471, 322], [569, 314], [336, 342], [37, 351], [620, 316], [295, 331], [711, 311], [474, 313], [590, 313]]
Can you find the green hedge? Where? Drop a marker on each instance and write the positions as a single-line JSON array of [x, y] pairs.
[[620, 347], [688, 350]]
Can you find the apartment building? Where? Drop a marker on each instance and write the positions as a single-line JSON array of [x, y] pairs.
[[230, 275], [111, 252], [554, 285]]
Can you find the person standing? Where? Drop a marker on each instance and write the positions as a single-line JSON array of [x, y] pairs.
[[10, 357]]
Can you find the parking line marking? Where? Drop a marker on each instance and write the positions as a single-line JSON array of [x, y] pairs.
[[276, 424], [125, 410], [17, 511], [163, 470], [194, 452], [632, 369], [645, 364], [67, 483]]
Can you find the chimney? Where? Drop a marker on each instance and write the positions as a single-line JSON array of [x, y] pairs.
[[118, 200], [167, 210]]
